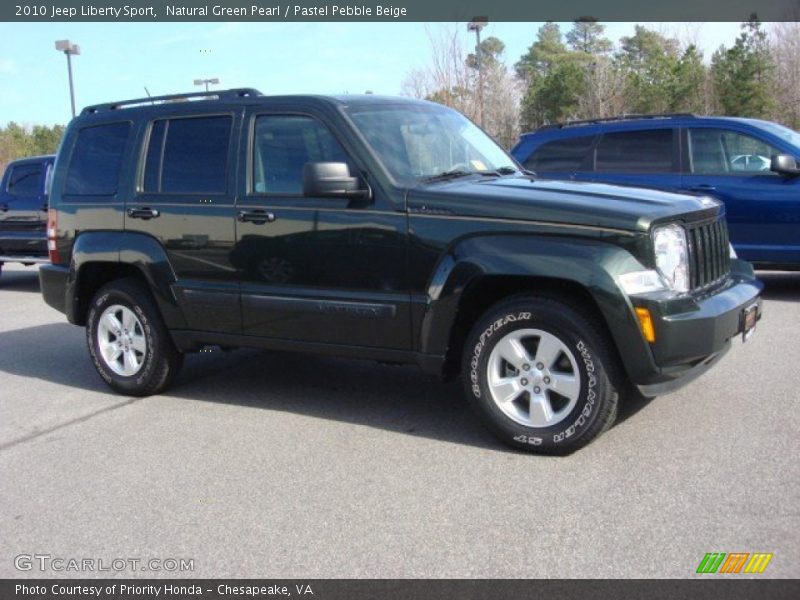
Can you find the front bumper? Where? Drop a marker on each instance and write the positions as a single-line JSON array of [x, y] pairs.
[[694, 332]]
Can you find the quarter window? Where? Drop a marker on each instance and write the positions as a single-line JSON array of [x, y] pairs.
[[25, 180], [283, 144], [649, 151], [188, 155], [561, 155], [96, 161], [722, 152]]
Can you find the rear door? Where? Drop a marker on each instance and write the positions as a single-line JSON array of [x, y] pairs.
[[763, 208], [313, 269], [185, 199]]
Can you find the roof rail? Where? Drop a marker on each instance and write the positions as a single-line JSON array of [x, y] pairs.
[[631, 117], [210, 95]]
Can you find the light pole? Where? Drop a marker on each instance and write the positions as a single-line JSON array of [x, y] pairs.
[[205, 82], [69, 49], [476, 25]]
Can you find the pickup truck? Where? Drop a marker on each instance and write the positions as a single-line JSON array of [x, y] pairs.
[[23, 211], [387, 229]]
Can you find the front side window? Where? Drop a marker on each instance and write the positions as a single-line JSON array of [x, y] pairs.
[[723, 152], [416, 142], [283, 145], [561, 155], [25, 180], [648, 151], [188, 155], [96, 160]]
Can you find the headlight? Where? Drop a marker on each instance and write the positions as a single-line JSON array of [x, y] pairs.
[[642, 282], [672, 256], [732, 252]]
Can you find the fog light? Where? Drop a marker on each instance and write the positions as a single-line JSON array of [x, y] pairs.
[[646, 324]]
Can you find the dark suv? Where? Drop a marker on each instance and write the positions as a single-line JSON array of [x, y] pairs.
[[748, 164], [23, 210], [389, 229]]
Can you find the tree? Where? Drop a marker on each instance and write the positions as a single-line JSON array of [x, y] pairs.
[[451, 78], [649, 60], [785, 47], [688, 86], [587, 36], [17, 141], [744, 74]]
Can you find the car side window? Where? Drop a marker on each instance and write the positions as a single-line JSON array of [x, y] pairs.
[[571, 154], [724, 152], [188, 155], [97, 160], [25, 180], [645, 151], [282, 145]]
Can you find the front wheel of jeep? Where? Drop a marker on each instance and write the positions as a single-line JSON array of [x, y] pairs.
[[538, 371]]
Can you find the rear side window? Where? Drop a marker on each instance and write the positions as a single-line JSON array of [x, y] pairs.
[[25, 180], [96, 160], [649, 151], [188, 155], [561, 155]]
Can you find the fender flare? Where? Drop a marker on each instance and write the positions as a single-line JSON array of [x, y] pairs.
[[137, 250]]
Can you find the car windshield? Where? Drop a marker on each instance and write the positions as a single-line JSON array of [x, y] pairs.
[[787, 134], [418, 143]]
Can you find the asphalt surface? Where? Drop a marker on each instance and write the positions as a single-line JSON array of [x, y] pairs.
[[267, 464]]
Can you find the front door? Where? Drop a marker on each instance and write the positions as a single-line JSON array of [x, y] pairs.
[[763, 208], [321, 270]]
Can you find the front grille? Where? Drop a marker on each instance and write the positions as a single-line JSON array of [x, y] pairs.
[[709, 253]]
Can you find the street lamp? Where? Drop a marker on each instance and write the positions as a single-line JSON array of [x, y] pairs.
[[69, 49], [205, 82], [476, 25]]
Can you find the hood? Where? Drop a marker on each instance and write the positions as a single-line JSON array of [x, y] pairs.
[[573, 202]]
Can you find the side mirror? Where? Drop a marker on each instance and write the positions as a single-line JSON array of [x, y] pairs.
[[784, 164], [331, 180]]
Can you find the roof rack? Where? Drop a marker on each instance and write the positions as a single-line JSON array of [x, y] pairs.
[[632, 117], [231, 94]]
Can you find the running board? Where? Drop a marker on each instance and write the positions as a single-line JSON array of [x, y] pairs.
[[24, 259]]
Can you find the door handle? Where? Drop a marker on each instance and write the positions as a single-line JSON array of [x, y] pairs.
[[143, 213], [703, 187], [258, 217]]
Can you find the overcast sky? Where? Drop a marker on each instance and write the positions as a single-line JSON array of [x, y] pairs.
[[119, 60]]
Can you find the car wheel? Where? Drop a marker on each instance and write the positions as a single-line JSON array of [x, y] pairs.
[[128, 342], [539, 373]]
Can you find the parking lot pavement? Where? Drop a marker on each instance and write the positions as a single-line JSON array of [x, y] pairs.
[[280, 465]]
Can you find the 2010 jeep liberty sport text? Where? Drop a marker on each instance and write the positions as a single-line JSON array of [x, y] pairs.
[[388, 229]]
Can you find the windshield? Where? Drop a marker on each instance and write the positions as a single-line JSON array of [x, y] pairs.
[[787, 134], [422, 142]]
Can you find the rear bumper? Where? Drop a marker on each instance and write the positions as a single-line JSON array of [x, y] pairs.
[[23, 246], [693, 333], [53, 283]]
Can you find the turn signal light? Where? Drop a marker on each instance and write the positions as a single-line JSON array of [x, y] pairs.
[[646, 324]]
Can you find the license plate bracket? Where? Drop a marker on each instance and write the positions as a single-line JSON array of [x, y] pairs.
[[749, 319]]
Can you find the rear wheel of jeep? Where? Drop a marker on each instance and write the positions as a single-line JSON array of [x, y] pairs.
[[128, 342], [538, 372]]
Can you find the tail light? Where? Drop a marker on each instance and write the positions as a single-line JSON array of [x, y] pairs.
[[52, 228]]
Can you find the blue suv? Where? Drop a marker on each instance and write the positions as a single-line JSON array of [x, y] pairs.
[[750, 165]]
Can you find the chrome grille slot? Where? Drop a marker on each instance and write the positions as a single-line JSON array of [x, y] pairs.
[[709, 256]]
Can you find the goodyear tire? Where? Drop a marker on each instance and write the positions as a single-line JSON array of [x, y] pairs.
[[539, 374], [128, 342]]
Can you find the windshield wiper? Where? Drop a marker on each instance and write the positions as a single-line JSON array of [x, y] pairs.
[[444, 175]]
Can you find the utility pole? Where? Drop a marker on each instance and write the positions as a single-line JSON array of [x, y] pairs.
[[69, 49]]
